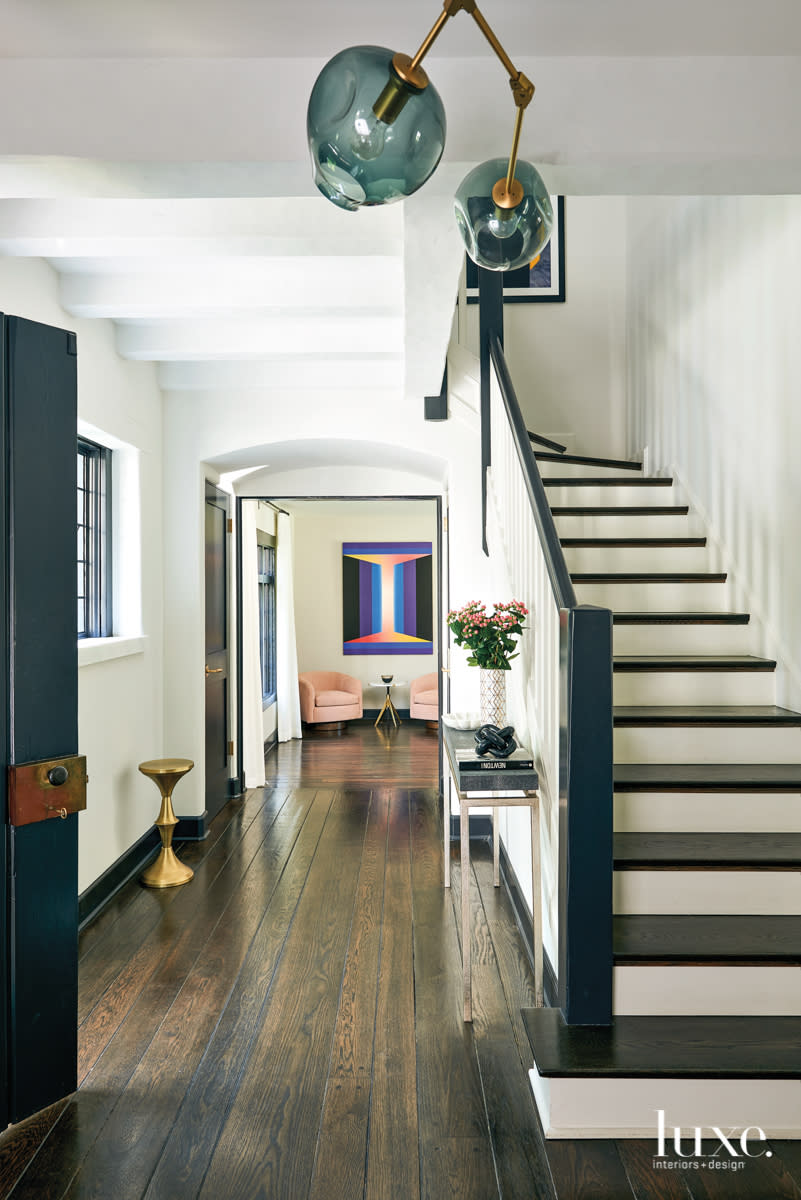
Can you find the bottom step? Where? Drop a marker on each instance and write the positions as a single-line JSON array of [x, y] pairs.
[[734, 1073]]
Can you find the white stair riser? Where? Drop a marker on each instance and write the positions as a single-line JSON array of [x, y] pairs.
[[707, 812], [707, 991], [694, 687], [770, 893], [562, 470], [655, 597], [637, 558], [684, 639], [580, 525], [581, 495], [627, 1108], [707, 744]]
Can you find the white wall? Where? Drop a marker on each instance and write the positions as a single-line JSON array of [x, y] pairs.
[[568, 360], [715, 377], [235, 430], [319, 531], [120, 698]]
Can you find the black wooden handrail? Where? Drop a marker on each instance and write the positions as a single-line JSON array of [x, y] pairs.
[[547, 442], [585, 964], [558, 573]]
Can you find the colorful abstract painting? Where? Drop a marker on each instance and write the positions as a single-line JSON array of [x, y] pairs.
[[387, 598]]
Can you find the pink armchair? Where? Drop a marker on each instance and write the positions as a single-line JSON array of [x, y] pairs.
[[329, 698], [424, 698]]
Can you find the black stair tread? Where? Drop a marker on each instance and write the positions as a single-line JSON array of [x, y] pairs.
[[682, 1047], [606, 481], [620, 510], [672, 938], [704, 714], [624, 464], [707, 777], [657, 543], [648, 576], [717, 851], [691, 662], [680, 618]]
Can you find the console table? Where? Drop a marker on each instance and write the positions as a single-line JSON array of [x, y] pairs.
[[488, 787]]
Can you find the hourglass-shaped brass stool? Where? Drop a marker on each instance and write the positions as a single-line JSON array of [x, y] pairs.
[[167, 870]]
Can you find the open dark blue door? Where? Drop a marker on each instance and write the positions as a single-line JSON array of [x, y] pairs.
[[38, 648]]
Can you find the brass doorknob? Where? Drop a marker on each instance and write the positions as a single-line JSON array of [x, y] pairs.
[[214, 671]]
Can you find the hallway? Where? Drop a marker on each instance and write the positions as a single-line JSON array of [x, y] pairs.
[[288, 1025]]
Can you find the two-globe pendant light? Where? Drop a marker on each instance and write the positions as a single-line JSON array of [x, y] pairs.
[[376, 129]]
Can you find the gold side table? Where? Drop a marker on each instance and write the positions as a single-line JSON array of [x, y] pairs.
[[388, 707], [167, 870]]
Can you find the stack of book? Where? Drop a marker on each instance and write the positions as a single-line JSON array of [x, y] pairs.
[[478, 774]]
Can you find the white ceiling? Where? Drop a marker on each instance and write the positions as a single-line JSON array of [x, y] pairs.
[[155, 153], [311, 28]]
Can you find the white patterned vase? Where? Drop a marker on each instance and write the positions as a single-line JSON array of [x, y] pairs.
[[492, 691]]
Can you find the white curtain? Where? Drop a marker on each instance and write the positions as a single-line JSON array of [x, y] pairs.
[[253, 730], [287, 647]]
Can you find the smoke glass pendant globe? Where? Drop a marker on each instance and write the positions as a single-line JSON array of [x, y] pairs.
[[358, 159], [503, 238]]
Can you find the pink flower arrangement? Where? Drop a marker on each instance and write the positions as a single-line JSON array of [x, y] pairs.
[[489, 636]]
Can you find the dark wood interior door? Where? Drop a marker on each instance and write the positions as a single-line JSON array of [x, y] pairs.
[[39, 652], [216, 649]]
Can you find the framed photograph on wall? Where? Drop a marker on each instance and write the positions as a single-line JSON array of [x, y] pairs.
[[539, 282]]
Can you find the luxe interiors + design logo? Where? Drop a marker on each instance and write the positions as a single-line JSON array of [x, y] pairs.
[[732, 1148]]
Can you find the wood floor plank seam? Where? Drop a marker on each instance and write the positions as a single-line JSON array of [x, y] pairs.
[[394, 1135], [169, 897], [222, 878], [233, 982], [323, 1145], [209, 1139], [285, 1057], [196, 851], [454, 1137], [149, 1033]]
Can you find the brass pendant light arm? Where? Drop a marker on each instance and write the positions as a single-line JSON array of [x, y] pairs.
[[510, 173], [450, 8], [522, 88]]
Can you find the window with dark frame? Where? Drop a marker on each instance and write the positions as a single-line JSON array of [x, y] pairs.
[[94, 540], [266, 578]]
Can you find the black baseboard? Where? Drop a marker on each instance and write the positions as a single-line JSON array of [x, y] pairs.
[[134, 860], [370, 714], [524, 927], [236, 787], [480, 826], [271, 742], [192, 829]]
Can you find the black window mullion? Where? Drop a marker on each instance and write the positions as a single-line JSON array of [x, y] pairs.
[[93, 543]]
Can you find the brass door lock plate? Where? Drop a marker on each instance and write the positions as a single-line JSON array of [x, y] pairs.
[[54, 787]]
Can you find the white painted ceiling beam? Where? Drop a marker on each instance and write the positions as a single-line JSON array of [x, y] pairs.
[[239, 286], [323, 374], [312, 334], [85, 227]]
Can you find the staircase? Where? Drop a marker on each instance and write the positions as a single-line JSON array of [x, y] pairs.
[[707, 842]]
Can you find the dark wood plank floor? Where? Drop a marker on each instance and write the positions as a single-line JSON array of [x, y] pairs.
[[288, 1024]]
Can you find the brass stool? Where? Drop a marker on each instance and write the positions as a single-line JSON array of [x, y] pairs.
[[167, 870]]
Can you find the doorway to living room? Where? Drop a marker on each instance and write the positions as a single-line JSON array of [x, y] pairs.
[[345, 630]]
